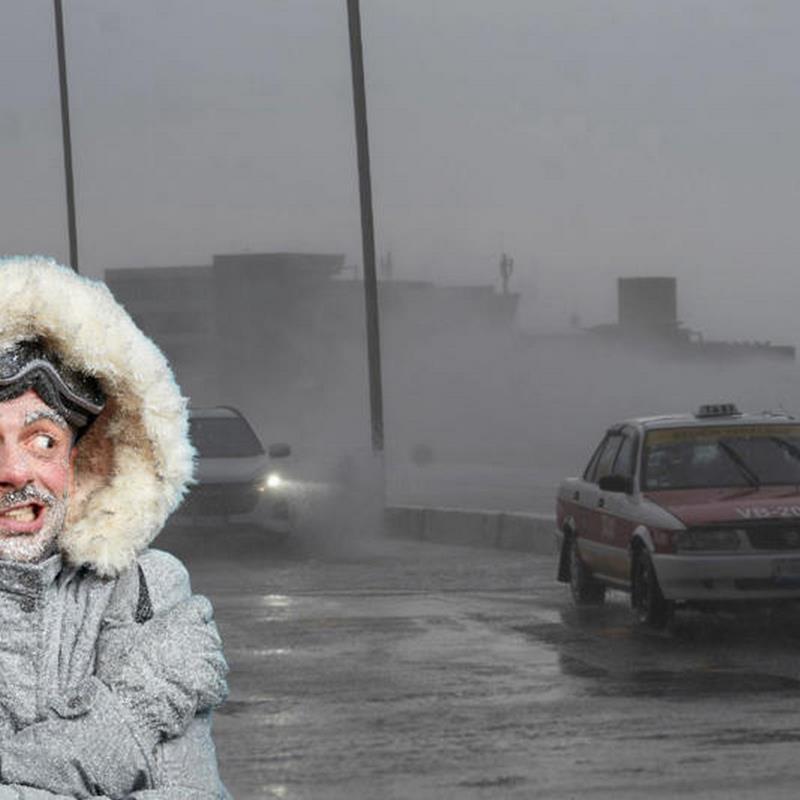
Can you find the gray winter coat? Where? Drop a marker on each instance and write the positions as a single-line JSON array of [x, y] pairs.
[[93, 695], [95, 698]]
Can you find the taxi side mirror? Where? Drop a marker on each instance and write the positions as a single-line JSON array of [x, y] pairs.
[[616, 483], [279, 450]]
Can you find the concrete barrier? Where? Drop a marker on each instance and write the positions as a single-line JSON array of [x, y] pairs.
[[477, 528]]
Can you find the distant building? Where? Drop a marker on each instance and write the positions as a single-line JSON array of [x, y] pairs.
[[288, 316], [648, 305], [175, 306], [647, 317]]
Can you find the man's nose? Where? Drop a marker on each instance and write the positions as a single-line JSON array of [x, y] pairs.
[[15, 467]]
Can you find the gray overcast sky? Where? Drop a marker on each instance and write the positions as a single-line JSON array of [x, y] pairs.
[[588, 139]]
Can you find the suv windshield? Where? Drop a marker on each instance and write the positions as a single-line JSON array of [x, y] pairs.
[[223, 437], [693, 458]]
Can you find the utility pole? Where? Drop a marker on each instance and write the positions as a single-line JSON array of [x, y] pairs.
[[367, 229], [65, 131]]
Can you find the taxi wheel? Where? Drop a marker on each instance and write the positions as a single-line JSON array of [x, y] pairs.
[[646, 598], [586, 591]]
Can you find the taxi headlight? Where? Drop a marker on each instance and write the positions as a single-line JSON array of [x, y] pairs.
[[708, 539]]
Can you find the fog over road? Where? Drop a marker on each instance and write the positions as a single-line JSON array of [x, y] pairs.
[[405, 670]]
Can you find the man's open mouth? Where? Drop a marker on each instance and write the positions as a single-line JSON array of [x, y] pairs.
[[27, 513]]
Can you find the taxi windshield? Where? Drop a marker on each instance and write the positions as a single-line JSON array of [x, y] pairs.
[[720, 456]]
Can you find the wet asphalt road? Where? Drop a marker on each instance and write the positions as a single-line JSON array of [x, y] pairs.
[[394, 669]]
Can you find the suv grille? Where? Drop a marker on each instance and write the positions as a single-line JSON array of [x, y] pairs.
[[221, 499]]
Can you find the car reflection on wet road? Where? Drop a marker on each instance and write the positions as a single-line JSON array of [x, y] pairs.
[[407, 670]]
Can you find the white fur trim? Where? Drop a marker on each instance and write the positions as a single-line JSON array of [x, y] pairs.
[[136, 461]]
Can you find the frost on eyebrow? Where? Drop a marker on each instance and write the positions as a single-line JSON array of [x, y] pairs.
[[46, 413]]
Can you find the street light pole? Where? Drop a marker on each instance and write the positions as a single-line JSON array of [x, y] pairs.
[[367, 229], [65, 131]]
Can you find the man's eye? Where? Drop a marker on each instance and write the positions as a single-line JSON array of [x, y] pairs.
[[44, 441]]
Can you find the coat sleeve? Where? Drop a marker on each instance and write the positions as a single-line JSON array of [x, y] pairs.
[[153, 683], [186, 769], [18, 792]]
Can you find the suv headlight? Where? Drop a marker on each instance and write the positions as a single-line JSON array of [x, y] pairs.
[[708, 539], [271, 482]]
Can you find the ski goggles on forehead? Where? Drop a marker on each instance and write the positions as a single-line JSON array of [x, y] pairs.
[[77, 396]]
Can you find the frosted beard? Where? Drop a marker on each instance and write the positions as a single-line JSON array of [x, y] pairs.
[[33, 547]]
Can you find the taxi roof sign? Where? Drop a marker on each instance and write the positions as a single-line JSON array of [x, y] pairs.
[[718, 410]]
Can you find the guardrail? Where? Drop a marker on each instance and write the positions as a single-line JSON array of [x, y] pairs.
[[476, 528]]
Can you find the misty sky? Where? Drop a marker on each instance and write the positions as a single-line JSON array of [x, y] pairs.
[[588, 139]]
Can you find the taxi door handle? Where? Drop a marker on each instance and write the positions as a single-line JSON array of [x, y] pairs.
[[601, 503]]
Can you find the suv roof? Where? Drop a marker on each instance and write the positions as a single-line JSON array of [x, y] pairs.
[[216, 412]]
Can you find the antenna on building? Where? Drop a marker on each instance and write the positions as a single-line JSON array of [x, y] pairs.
[[506, 269], [387, 267]]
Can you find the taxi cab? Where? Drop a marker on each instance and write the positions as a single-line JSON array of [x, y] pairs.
[[692, 509]]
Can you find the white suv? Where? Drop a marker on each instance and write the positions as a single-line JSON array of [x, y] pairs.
[[236, 478]]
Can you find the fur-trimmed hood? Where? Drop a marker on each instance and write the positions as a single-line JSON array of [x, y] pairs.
[[135, 461]]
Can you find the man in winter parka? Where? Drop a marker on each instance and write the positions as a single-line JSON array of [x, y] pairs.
[[109, 667]]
